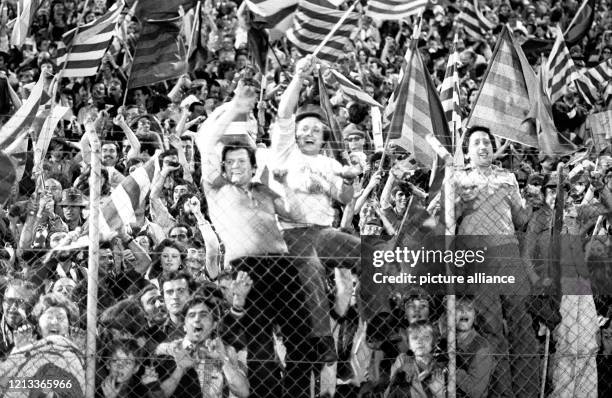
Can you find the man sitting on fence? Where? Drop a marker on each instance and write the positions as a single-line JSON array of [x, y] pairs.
[[244, 215]]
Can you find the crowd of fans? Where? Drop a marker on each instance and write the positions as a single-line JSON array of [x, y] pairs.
[[240, 274]]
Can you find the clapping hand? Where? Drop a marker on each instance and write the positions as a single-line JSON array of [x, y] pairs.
[[78, 337], [24, 335], [110, 387], [149, 376], [241, 286], [216, 349]]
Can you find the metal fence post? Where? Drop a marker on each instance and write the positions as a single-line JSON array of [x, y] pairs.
[[92, 278], [449, 219]]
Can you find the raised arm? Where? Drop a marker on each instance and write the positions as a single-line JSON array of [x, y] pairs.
[[132, 139], [291, 96], [212, 130], [374, 181], [211, 240]]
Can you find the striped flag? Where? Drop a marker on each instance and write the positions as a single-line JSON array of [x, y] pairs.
[[449, 92], [24, 21], [560, 68], [541, 117], [84, 47], [160, 53], [587, 90], [260, 27], [600, 75], [352, 91], [418, 113], [594, 83], [269, 8], [280, 21], [391, 104], [503, 102], [394, 9], [16, 128], [273, 15], [474, 23], [313, 20], [336, 142], [127, 197]]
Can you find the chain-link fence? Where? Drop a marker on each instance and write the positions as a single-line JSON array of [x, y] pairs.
[[325, 317]]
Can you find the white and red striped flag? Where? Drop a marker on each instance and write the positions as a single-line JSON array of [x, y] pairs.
[[418, 113], [394, 9], [475, 24], [560, 68], [352, 91], [83, 49], [503, 102], [127, 197], [16, 128], [600, 75], [313, 21], [449, 96]]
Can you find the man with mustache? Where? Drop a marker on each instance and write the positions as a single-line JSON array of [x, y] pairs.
[[110, 158], [16, 304]]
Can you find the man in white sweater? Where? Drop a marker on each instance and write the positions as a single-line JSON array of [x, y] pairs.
[[316, 181]]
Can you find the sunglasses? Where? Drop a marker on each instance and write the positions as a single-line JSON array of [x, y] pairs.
[[18, 302]]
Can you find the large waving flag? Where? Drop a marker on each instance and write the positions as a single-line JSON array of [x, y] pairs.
[[313, 20], [418, 113], [160, 53], [560, 68], [503, 101], [352, 91], [127, 197], [84, 47], [15, 130], [394, 9], [512, 102], [474, 23]]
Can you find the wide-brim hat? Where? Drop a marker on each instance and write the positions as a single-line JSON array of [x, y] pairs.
[[72, 197]]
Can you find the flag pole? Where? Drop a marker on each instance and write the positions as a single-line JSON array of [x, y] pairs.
[[584, 3], [334, 29]]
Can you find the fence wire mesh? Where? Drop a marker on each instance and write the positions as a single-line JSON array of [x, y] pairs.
[[310, 322]]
